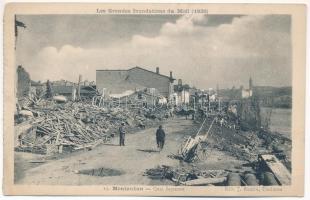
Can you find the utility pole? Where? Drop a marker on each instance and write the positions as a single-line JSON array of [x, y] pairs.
[[79, 88], [73, 93], [209, 108]]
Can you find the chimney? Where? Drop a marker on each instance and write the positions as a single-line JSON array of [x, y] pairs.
[[180, 82], [171, 74], [157, 70]]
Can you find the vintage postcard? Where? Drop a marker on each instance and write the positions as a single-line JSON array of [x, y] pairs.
[[154, 99]]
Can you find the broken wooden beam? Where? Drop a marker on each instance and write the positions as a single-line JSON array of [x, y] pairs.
[[280, 172]]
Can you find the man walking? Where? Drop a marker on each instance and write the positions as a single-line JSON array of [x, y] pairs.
[[160, 137], [122, 134]]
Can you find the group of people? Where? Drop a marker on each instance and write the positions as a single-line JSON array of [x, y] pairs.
[[160, 136]]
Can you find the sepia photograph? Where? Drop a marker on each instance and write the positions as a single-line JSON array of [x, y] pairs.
[[150, 96]]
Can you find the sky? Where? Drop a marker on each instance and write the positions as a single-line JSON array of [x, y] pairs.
[[202, 50]]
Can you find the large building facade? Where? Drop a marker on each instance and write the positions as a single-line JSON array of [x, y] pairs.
[[136, 78]]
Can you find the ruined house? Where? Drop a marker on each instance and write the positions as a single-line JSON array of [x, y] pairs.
[[139, 99], [134, 79], [181, 93], [86, 91], [62, 83]]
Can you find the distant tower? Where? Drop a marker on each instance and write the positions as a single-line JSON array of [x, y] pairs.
[[250, 84], [180, 82], [217, 89]]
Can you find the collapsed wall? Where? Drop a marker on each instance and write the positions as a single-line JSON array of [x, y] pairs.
[[23, 82]]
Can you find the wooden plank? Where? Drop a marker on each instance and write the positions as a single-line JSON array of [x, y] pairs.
[[278, 169], [57, 138], [45, 141]]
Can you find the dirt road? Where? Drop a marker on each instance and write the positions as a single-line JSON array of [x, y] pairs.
[[139, 154]]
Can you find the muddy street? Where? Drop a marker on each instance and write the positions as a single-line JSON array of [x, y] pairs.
[[139, 153]]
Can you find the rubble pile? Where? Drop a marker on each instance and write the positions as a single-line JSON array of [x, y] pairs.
[[79, 125], [247, 145], [191, 176], [194, 176], [244, 145]]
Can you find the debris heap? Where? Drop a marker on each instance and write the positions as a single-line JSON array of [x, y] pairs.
[[78, 125]]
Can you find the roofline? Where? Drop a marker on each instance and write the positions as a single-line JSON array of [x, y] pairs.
[[138, 68], [152, 72], [111, 69]]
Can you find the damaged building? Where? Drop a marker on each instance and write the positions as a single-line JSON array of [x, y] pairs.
[[181, 93], [85, 91], [134, 79]]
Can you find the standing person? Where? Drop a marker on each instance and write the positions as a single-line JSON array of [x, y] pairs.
[[171, 110], [160, 137], [122, 134], [186, 112]]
